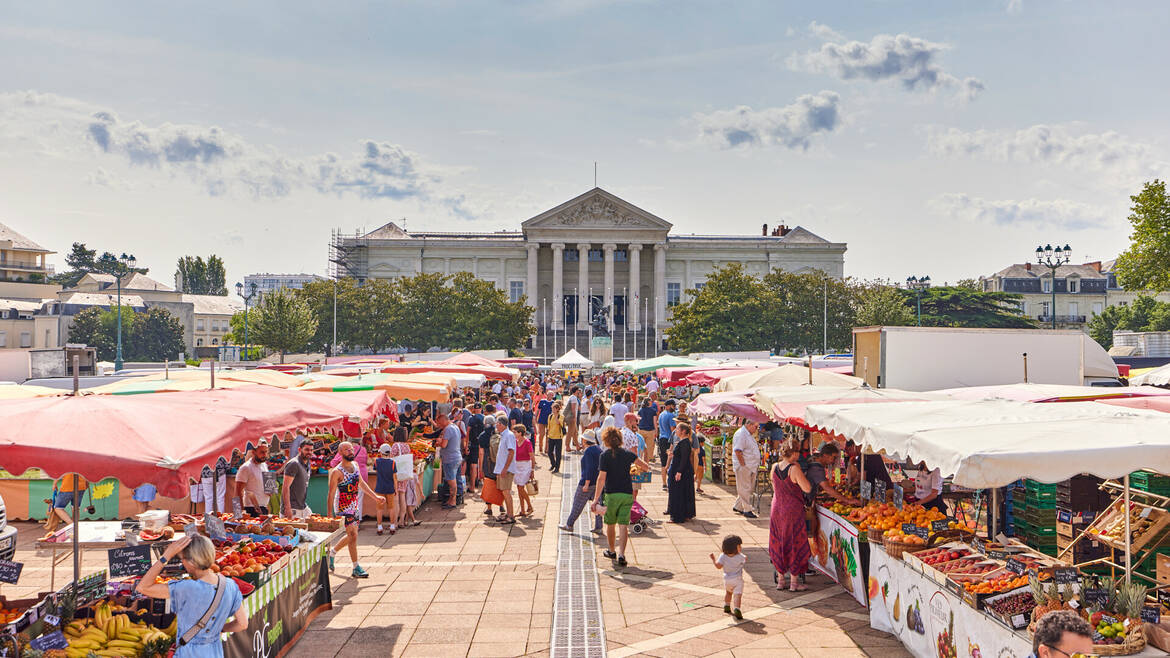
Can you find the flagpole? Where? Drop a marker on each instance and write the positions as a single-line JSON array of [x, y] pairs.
[[626, 302], [544, 327], [589, 315]]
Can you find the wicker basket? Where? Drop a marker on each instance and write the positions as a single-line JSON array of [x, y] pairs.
[[1135, 640], [895, 548]]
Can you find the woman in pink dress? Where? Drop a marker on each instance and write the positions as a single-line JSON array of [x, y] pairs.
[[787, 537]]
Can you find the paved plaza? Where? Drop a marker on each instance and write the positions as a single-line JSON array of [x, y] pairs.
[[460, 586]]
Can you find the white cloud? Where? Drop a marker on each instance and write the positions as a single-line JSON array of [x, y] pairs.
[[1060, 213], [910, 60], [791, 126], [222, 163], [1015, 6], [1062, 145]]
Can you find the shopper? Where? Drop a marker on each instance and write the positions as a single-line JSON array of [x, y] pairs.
[[295, 490], [731, 562], [544, 411], [570, 414], [63, 498], [556, 435], [144, 495], [407, 496], [475, 424], [345, 481], [928, 488], [1062, 634], [648, 424], [680, 505], [505, 467], [666, 423], [487, 452], [385, 487], [818, 473], [202, 603], [250, 482], [450, 444], [787, 537], [633, 442], [590, 460], [524, 468], [745, 456], [613, 479]]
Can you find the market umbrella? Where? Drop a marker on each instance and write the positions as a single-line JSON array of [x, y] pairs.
[[1050, 392], [572, 360], [491, 372], [739, 404], [138, 385], [163, 439], [992, 443], [21, 392], [469, 359], [785, 375], [396, 388], [664, 361], [787, 403]]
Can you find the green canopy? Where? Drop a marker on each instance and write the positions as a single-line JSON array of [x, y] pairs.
[[664, 361]]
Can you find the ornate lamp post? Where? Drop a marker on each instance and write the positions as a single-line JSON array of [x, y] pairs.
[[919, 286], [1053, 259], [125, 266], [247, 298]]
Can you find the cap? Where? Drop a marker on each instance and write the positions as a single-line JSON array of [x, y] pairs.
[[384, 448]]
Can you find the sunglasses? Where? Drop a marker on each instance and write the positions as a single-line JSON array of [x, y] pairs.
[[1072, 655]]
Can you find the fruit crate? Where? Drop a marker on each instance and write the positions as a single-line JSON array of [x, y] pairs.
[[1151, 482], [1082, 492], [1084, 550], [1159, 519]]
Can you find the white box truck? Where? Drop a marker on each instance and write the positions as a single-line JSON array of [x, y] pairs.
[[932, 358]]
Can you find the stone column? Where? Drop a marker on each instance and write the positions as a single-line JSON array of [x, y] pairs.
[[530, 288], [558, 285], [633, 299], [660, 283], [504, 274], [447, 266], [607, 294], [583, 318]]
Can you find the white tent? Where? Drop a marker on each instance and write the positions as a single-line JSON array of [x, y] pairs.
[[1156, 377], [785, 375], [572, 360], [992, 443]]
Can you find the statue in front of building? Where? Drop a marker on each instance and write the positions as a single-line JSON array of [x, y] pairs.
[[601, 323]]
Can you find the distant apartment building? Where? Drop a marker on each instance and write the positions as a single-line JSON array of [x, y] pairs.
[[1082, 291], [267, 282], [22, 259]]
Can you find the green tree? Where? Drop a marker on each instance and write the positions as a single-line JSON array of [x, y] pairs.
[[962, 307], [1144, 314], [353, 310], [283, 322], [883, 306], [199, 277], [81, 258], [970, 284], [426, 316], [1146, 264], [800, 304], [90, 328], [483, 316], [155, 335], [726, 314]]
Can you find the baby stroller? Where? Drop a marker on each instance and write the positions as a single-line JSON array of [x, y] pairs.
[[640, 519]]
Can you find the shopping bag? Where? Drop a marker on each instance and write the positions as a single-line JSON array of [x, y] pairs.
[[403, 467], [491, 494], [531, 488]]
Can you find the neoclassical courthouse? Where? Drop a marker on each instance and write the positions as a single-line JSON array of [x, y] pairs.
[[592, 251]]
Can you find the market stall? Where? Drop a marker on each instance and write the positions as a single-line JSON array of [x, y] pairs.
[[785, 375]]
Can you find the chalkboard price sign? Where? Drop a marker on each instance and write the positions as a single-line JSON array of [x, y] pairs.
[[1151, 614], [879, 490], [54, 640], [997, 555], [10, 571], [899, 495], [215, 527], [129, 561], [866, 490], [940, 525], [979, 545], [1093, 595], [1164, 598], [1065, 576], [918, 531], [1015, 566]]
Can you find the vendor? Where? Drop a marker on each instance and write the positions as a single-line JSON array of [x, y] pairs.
[[818, 474], [875, 466], [928, 488]]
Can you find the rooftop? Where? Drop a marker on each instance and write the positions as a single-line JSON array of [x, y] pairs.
[[214, 304], [7, 234], [136, 281], [100, 299], [1034, 271]]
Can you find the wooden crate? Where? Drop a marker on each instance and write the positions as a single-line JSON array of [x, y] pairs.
[[1163, 573], [1160, 521]]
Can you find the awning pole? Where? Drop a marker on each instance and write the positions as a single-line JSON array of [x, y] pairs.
[[992, 513], [76, 529], [1128, 540]]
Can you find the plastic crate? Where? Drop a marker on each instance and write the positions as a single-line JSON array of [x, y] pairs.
[[1043, 501], [1033, 486], [1151, 482]]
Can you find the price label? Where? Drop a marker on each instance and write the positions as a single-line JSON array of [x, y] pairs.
[[10, 571], [1096, 595], [1064, 516], [899, 494], [317, 445], [270, 485], [1018, 621], [997, 555], [898, 502], [1146, 512], [940, 525], [917, 531], [1015, 566], [866, 490], [879, 490], [191, 529], [1151, 614], [215, 527], [1164, 598], [979, 545], [52, 620], [128, 561], [54, 640], [1065, 576]]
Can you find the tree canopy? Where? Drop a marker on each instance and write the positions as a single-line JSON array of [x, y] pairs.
[[1146, 264], [1144, 314], [83, 260], [283, 322], [155, 335], [199, 277]]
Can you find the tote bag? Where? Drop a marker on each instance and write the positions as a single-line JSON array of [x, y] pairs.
[[404, 467], [490, 493]]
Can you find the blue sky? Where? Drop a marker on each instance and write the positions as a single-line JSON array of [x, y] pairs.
[[935, 138]]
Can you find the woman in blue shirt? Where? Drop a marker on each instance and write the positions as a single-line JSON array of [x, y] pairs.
[[190, 599]]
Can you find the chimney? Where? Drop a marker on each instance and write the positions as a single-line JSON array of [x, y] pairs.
[[1096, 265], [1028, 266], [765, 231], [783, 230]]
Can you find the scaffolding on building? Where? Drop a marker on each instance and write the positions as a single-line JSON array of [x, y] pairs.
[[348, 255]]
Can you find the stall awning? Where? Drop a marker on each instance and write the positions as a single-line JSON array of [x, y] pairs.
[[737, 404], [787, 403], [163, 439], [1050, 392], [785, 375], [393, 385], [665, 361], [491, 372], [992, 443], [572, 360]]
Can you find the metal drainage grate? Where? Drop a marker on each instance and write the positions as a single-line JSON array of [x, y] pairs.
[[578, 626]]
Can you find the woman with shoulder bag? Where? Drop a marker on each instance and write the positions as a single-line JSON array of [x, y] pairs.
[[202, 604], [524, 468]]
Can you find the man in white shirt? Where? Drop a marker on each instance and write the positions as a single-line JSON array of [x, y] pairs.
[[497, 388], [505, 466], [928, 488], [619, 409], [652, 386], [745, 455]]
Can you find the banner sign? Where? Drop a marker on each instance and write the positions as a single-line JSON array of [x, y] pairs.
[[837, 554], [283, 607]]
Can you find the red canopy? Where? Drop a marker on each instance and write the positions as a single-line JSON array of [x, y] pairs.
[[163, 439], [709, 376], [1159, 403], [491, 372], [469, 359]]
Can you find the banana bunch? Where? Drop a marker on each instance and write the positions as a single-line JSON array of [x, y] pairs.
[[111, 635]]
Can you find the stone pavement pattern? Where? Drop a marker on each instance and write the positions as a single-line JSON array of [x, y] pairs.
[[460, 586]]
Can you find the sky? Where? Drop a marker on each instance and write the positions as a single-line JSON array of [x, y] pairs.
[[940, 139]]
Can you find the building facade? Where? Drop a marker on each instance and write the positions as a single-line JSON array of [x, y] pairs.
[[268, 282], [591, 252], [22, 259], [1082, 291]]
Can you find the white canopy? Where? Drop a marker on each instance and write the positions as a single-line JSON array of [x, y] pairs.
[[1156, 377], [1050, 392], [991, 443], [572, 360], [785, 375]]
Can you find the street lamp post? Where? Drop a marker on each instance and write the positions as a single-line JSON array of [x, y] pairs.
[[919, 286], [247, 298], [125, 266], [1053, 259]]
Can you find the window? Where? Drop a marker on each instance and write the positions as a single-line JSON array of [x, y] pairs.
[[1044, 309], [515, 291], [1023, 308], [198, 342], [215, 325], [1074, 309], [1073, 285], [596, 255], [3, 339], [25, 339], [1097, 308], [199, 324], [621, 256], [673, 294], [215, 341], [1046, 285], [699, 286], [570, 255]]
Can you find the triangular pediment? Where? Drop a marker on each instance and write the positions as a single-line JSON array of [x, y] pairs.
[[597, 209]]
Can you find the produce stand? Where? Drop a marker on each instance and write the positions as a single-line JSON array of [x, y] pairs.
[[92, 535]]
